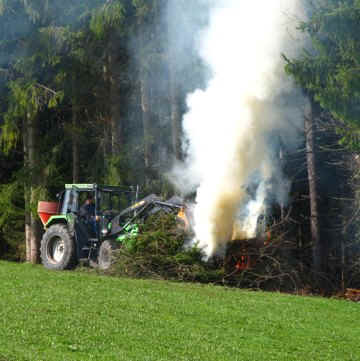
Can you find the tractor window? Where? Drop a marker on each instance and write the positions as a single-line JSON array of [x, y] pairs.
[[74, 203], [65, 203], [105, 203], [112, 201], [70, 202], [82, 196]]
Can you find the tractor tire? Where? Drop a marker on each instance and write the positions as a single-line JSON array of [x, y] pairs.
[[106, 254], [58, 250]]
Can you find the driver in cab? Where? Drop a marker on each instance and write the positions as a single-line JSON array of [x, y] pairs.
[[87, 211]]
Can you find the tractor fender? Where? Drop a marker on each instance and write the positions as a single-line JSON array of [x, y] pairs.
[[56, 219]]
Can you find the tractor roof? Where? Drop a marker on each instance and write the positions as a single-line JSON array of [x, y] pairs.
[[93, 186], [82, 187]]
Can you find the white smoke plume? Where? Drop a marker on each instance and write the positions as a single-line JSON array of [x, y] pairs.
[[233, 129]]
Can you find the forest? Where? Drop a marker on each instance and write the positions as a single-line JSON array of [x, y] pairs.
[[95, 92]]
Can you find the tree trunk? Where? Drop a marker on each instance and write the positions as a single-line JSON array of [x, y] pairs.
[[35, 233], [34, 225], [107, 121], [27, 195], [115, 116], [281, 160], [144, 96], [175, 112], [343, 263], [313, 191], [145, 106], [75, 146], [113, 125]]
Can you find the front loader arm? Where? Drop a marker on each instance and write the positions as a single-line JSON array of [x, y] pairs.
[[144, 211]]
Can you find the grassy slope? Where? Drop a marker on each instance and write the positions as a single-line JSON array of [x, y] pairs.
[[74, 316]]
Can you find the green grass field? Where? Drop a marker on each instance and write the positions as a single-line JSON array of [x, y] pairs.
[[78, 316]]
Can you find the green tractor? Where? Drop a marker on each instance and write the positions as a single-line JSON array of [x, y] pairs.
[[71, 236]]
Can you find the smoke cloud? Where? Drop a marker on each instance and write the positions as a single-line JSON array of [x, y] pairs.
[[250, 112]]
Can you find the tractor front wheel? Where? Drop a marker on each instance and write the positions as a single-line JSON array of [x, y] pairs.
[[58, 250], [106, 254]]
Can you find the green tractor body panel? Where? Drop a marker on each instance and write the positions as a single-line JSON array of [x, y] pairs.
[[130, 231], [62, 218], [56, 219], [128, 238]]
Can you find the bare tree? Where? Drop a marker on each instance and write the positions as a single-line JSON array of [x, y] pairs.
[[31, 222], [313, 191], [75, 146], [175, 112]]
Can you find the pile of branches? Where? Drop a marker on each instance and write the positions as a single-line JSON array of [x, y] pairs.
[[163, 250], [275, 266]]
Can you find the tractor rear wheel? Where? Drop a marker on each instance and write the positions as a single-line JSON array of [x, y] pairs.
[[106, 254], [57, 249]]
